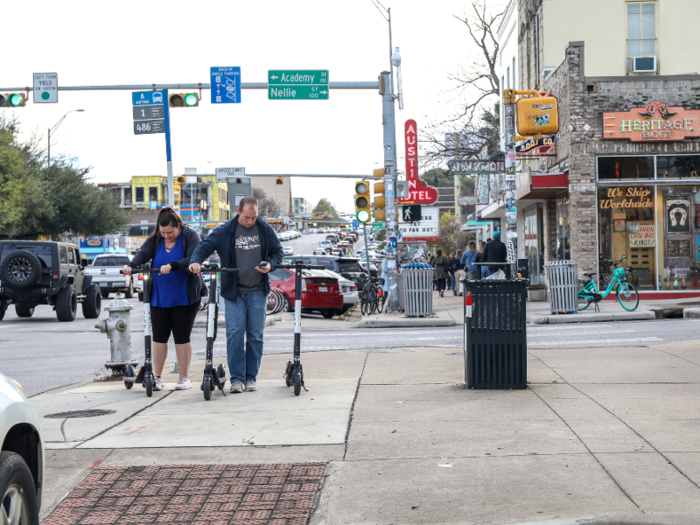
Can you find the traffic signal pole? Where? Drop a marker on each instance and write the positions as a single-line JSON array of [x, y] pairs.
[[390, 163], [168, 152]]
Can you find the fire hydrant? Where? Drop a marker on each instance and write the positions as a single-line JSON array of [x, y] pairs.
[[118, 329]]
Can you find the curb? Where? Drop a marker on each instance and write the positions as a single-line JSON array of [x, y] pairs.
[[691, 313], [405, 323], [594, 318], [221, 321]]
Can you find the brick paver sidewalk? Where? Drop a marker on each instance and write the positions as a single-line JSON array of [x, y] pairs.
[[279, 494]]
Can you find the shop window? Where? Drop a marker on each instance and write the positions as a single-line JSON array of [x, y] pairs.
[[139, 194], [678, 167], [563, 230], [534, 244], [679, 257], [621, 168], [641, 29], [153, 193], [627, 226]]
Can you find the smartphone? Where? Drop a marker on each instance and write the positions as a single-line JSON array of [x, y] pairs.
[[262, 265]]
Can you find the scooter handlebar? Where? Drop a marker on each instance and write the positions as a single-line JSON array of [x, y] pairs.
[[142, 270], [216, 269]]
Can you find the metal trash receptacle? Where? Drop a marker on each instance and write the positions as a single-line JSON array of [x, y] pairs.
[[495, 336], [562, 277], [402, 292], [418, 289]]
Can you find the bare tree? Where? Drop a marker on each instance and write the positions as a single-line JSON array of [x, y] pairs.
[[466, 131], [267, 207]]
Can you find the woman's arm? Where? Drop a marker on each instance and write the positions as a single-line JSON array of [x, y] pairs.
[[145, 254], [190, 240]]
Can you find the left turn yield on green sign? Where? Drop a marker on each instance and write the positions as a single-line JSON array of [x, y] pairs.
[[45, 88]]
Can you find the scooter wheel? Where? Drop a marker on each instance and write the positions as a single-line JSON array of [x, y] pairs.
[[297, 384], [128, 384], [129, 373], [148, 383], [206, 388], [288, 373]]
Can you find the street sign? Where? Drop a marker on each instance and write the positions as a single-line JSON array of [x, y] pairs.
[[148, 112], [146, 127], [297, 84], [411, 213], [378, 225], [355, 224], [222, 174], [225, 85], [147, 98], [45, 88]]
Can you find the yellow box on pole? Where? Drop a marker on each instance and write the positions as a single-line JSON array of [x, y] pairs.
[[537, 116]]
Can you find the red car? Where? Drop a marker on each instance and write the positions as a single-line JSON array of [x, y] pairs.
[[319, 291]]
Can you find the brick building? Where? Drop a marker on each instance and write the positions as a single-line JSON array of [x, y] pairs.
[[623, 176]]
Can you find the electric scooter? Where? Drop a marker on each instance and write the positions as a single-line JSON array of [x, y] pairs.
[[145, 375], [294, 373], [213, 380]]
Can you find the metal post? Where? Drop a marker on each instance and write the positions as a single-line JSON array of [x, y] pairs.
[[168, 154], [389, 125], [511, 202], [49, 154], [369, 273]]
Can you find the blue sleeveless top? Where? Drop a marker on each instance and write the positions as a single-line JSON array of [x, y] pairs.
[[169, 289]]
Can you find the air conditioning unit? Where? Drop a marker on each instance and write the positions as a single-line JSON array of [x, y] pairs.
[[644, 64]]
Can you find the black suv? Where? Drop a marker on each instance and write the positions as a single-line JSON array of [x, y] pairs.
[[348, 267], [46, 272]]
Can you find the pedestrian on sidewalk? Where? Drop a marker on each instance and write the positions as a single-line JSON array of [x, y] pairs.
[[453, 269], [469, 258], [176, 293], [442, 266], [460, 273], [495, 251], [250, 244], [481, 271]]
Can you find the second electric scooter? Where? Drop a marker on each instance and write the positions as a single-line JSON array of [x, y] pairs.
[[294, 373]]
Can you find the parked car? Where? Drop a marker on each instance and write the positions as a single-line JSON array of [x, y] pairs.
[[348, 288], [46, 272], [348, 267], [21, 456], [373, 268], [319, 291], [138, 285], [288, 250], [105, 270]]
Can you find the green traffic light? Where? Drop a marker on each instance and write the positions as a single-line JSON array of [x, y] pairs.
[[15, 100], [190, 99], [362, 216]]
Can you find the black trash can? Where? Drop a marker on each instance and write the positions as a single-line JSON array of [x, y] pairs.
[[495, 336]]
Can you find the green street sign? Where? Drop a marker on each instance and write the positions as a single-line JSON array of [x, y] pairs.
[[378, 225], [297, 84]]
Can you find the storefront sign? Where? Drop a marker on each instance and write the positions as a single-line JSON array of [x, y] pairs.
[[644, 237], [470, 200], [411, 136], [481, 189], [657, 122], [627, 198], [427, 229], [476, 166], [541, 146]]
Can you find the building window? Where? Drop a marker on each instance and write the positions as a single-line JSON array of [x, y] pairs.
[[618, 168], [514, 83], [153, 193], [139, 194], [536, 38], [641, 29], [563, 230], [508, 77]]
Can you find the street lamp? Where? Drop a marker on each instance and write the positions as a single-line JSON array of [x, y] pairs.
[[396, 62], [55, 127]]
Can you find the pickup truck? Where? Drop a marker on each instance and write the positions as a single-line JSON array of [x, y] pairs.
[[105, 273]]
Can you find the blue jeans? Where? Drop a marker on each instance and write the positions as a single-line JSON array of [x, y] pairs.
[[453, 282], [245, 316]]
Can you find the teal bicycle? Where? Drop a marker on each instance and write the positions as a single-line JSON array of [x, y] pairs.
[[626, 292]]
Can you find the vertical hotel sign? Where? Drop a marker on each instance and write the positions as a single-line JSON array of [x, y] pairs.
[[419, 191], [656, 122]]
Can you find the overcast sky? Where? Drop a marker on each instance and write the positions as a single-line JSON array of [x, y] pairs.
[[137, 42]]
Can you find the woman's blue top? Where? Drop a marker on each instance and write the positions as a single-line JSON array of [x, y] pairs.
[[169, 289]]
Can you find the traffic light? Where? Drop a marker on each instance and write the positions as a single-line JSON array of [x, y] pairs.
[[183, 100], [13, 100], [379, 214], [279, 181], [362, 207]]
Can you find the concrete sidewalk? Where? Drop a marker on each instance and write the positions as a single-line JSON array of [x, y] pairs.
[[608, 433]]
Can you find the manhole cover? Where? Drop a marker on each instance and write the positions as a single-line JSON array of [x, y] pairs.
[[80, 413]]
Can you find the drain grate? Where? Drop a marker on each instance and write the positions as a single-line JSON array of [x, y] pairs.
[[80, 413]]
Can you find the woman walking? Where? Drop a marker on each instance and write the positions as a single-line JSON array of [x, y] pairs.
[[176, 292], [460, 273], [441, 266], [481, 271], [469, 258]]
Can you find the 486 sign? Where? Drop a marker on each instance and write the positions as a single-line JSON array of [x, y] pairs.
[[144, 127]]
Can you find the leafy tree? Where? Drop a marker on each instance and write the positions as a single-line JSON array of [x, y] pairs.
[[325, 209], [267, 207], [452, 238]]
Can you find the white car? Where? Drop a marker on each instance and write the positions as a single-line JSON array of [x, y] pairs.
[[326, 245], [319, 251], [288, 250], [347, 288], [21, 457]]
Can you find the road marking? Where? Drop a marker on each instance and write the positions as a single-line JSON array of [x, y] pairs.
[[598, 341], [571, 327], [587, 331]]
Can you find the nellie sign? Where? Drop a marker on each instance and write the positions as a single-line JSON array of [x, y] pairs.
[[297, 84], [476, 166]]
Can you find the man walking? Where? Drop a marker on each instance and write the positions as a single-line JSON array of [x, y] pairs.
[[250, 244], [495, 251]]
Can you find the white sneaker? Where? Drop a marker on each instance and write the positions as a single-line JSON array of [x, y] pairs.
[[183, 384], [250, 386], [237, 387], [159, 384]]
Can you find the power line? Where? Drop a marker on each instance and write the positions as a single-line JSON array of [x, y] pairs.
[[385, 9], [380, 11]]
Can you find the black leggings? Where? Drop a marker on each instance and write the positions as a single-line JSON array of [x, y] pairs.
[[177, 319]]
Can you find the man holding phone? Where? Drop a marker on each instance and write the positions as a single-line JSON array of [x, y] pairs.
[[250, 244]]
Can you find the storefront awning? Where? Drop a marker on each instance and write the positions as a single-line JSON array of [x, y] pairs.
[[541, 185]]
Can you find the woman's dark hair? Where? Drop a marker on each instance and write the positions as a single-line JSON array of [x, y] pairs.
[[471, 245], [167, 217], [438, 253]]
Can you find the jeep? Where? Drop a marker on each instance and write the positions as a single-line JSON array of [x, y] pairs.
[[46, 272]]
